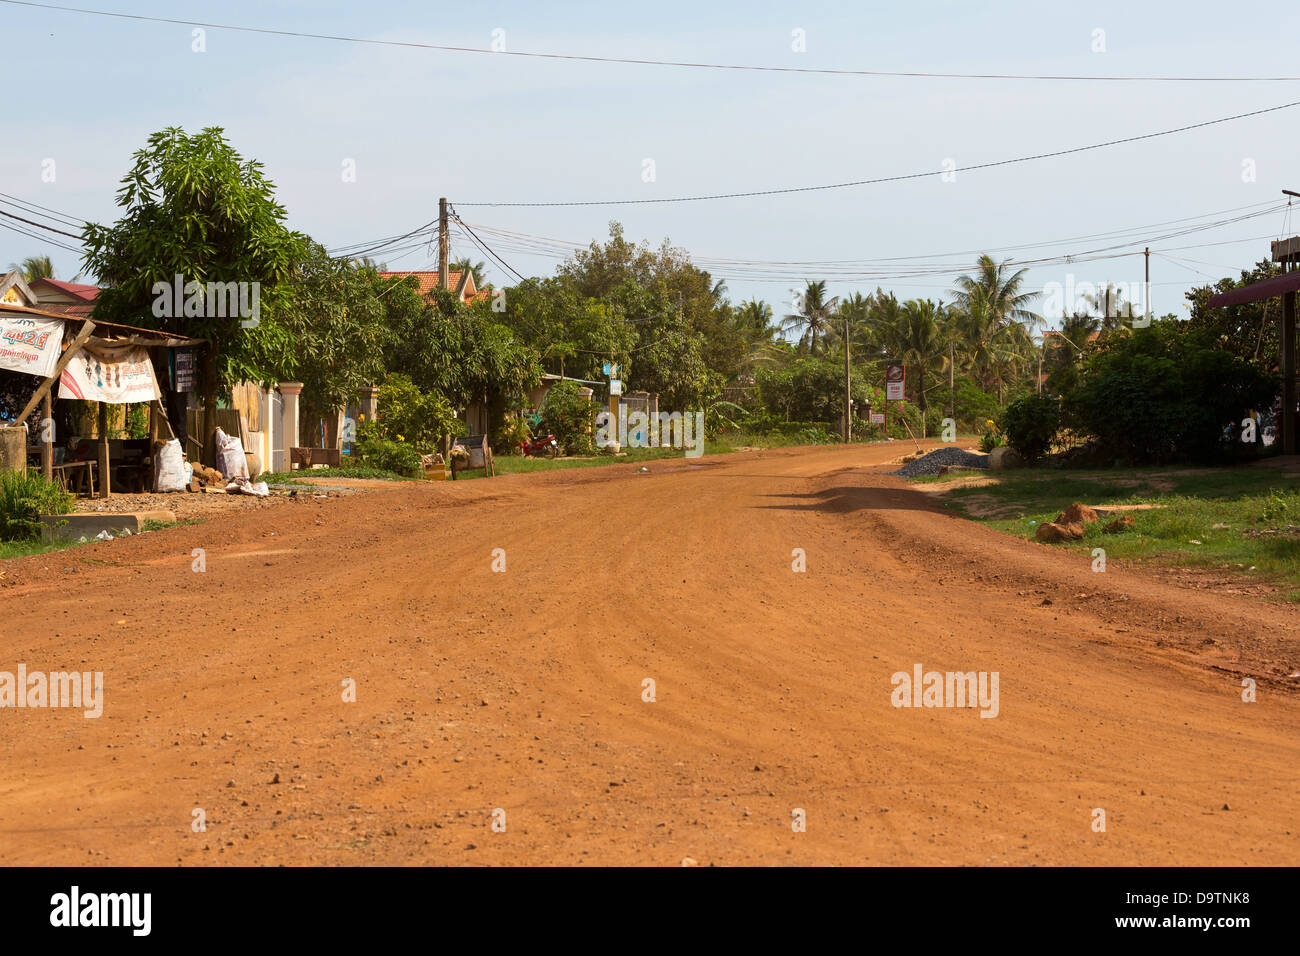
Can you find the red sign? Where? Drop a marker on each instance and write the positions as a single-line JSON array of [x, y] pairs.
[[894, 383]]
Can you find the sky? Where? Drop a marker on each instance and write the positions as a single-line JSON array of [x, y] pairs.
[[413, 125]]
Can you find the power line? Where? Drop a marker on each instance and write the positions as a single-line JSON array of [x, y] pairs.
[[39, 238], [40, 225], [38, 210], [632, 61], [900, 267], [892, 179], [485, 247]]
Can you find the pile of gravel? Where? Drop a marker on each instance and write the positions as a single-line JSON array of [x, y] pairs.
[[931, 463]]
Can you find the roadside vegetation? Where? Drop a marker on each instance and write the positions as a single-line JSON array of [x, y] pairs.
[[1243, 519]]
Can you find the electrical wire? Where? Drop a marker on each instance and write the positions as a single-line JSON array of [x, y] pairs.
[[789, 190], [410, 44]]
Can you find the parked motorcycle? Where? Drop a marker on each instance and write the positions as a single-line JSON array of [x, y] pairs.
[[543, 446]]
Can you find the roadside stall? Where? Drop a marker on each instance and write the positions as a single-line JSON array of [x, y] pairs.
[[79, 359]]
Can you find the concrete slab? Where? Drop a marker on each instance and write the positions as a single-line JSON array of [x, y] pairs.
[[91, 524]]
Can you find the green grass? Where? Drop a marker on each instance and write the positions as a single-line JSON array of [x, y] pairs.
[[22, 549], [1229, 511]]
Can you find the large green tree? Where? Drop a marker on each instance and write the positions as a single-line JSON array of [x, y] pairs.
[[193, 207]]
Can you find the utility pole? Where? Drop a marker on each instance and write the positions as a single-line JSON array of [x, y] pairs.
[[952, 384], [848, 407], [444, 245], [1146, 292]]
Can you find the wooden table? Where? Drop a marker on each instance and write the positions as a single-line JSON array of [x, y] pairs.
[[77, 475]]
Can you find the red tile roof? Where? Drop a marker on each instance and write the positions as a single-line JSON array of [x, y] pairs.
[[427, 281]]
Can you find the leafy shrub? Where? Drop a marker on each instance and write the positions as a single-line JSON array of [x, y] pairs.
[[991, 438], [513, 432], [385, 454], [1161, 393], [408, 415], [1031, 423], [23, 498], [569, 415]]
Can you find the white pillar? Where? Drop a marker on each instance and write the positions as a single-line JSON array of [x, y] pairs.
[[289, 421]]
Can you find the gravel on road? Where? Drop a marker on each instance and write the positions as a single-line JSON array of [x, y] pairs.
[[939, 458]]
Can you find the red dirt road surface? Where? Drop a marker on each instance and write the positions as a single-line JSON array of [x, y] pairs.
[[522, 691]]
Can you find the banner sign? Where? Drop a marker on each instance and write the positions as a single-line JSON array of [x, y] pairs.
[[894, 383], [117, 374], [29, 344], [183, 380]]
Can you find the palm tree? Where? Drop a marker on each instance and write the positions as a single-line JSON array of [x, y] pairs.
[[473, 268], [992, 350], [917, 336], [35, 267], [814, 317], [754, 316], [1000, 290], [1110, 303]]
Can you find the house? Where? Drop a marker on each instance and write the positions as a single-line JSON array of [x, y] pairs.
[[15, 291], [69, 298], [462, 283]]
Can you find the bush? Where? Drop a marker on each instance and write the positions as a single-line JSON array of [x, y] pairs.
[[1030, 424], [1161, 394], [568, 415], [23, 498], [385, 454], [408, 415]]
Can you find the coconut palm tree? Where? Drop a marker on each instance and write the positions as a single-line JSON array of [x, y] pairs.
[[992, 351], [755, 317], [1001, 291], [814, 317], [35, 267], [917, 336], [473, 268]]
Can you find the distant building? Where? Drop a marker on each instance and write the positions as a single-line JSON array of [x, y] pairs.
[[70, 298], [462, 283]]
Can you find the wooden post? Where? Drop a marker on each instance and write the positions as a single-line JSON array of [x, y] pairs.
[[104, 480], [1288, 374], [67, 357], [47, 437]]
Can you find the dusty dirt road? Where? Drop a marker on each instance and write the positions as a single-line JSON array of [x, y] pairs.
[[523, 690]]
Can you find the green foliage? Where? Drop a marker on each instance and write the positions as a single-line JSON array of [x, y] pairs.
[[386, 454], [1159, 394], [570, 417], [336, 317], [137, 421], [991, 438], [408, 415], [810, 389], [23, 498], [514, 432], [1030, 424], [193, 207]]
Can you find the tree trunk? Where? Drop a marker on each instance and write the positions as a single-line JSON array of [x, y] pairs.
[[210, 406]]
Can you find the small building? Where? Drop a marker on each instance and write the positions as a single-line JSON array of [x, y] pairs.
[[462, 283], [69, 298]]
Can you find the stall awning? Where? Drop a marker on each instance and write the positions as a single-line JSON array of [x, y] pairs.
[[109, 333], [1257, 291]]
